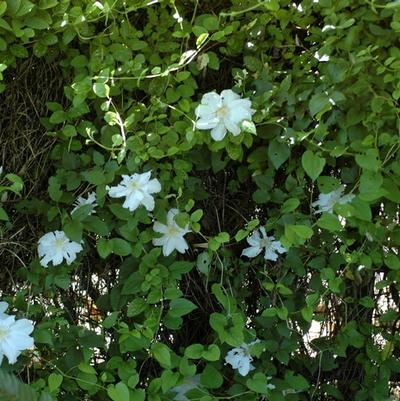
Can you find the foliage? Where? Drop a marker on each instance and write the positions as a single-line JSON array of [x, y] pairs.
[[124, 322], [12, 389]]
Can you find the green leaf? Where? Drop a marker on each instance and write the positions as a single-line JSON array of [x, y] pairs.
[[37, 22], [194, 351], [212, 353], [196, 216], [181, 306], [119, 392], [319, 104], [297, 234], [44, 4], [392, 261], [312, 164], [290, 205], [203, 262], [369, 161], [54, 380], [54, 189], [58, 117], [101, 89], [3, 214], [120, 246], [168, 380], [94, 176], [307, 312], [278, 153], [296, 382], [329, 222], [3, 8], [211, 378], [104, 247], [162, 354], [13, 6], [73, 230], [12, 389], [258, 383], [110, 320], [367, 302]]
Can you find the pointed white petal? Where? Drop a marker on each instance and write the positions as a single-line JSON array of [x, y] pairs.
[[270, 254], [117, 192], [159, 241], [160, 228], [218, 133], [148, 202], [228, 96], [205, 111], [181, 245], [232, 126], [204, 123], [211, 99], [168, 247], [252, 251], [153, 186]]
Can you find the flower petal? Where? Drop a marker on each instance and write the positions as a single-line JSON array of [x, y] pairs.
[[252, 251], [270, 254], [212, 99], [207, 123], [169, 246], [218, 133], [148, 202], [232, 126], [228, 96]]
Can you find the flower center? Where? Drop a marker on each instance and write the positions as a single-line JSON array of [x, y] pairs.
[[3, 333], [222, 112], [135, 186], [172, 230], [265, 243], [59, 243]]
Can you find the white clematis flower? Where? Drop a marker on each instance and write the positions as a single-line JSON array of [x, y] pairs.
[[81, 201], [240, 358], [259, 242], [326, 202], [137, 188], [56, 246], [172, 235], [222, 113], [14, 337], [189, 383]]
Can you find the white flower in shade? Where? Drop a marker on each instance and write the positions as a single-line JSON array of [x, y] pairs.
[[261, 242], [240, 358], [137, 188], [3, 308], [56, 246], [81, 201], [326, 202], [172, 235], [14, 337], [222, 113], [270, 386], [189, 383]]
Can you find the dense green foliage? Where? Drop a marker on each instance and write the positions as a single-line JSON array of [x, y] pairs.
[[125, 323]]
